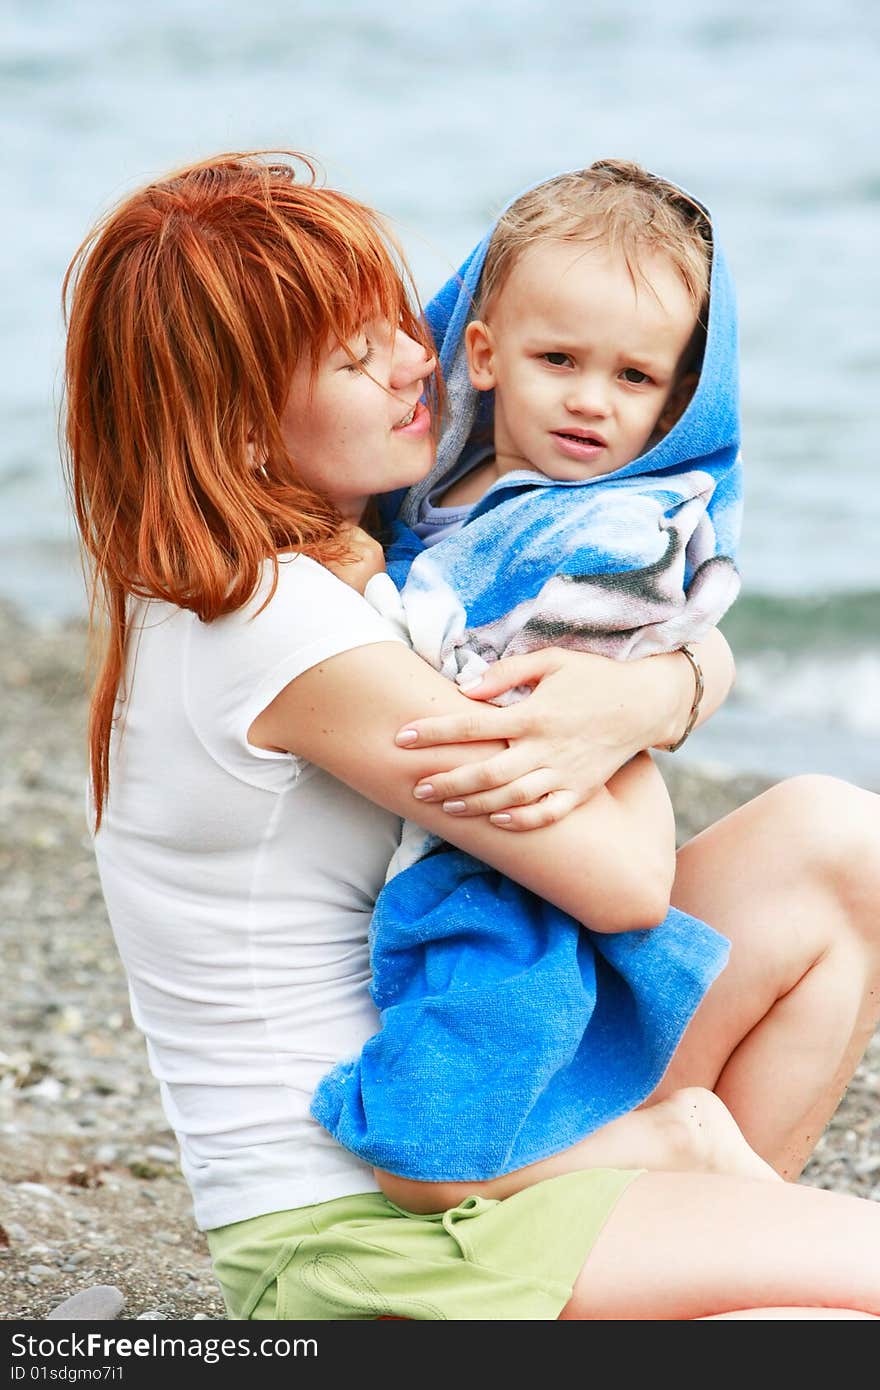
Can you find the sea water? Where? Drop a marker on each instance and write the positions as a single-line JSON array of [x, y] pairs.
[[437, 114]]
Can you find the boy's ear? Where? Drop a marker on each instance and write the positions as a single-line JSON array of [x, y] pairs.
[[678, 402], [480, 355]]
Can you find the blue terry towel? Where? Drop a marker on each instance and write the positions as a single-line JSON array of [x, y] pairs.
[[508, 1030]]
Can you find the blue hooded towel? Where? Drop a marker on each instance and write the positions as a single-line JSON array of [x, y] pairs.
[[509, 1031]]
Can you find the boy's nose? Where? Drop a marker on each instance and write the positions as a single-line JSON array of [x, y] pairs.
[[588, 396], [410, 361]]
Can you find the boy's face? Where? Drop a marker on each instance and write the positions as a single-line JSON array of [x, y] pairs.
[[584, 363]]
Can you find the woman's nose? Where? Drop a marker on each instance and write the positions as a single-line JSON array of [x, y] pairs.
[[410, 361]]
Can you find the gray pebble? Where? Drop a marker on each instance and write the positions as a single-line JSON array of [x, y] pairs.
[[16, 1232], [151, 1316], [41, 1270], [160, 1154], [37, 1189], [101, 1301], [47, 1092]]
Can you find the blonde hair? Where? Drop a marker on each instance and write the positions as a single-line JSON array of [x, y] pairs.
[[188, 308], [614, 203]]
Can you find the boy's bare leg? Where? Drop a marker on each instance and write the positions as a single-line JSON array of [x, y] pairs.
[[695, 1245], [793, 879], [690, 1131]]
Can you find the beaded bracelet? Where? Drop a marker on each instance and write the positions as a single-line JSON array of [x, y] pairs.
[[698, 695]]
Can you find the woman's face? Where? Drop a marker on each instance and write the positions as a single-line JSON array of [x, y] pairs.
[[359, 428]]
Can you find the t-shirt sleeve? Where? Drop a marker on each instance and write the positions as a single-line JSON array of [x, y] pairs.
[[236, 665]]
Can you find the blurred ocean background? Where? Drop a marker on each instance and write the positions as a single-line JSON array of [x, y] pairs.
[[437, 113]]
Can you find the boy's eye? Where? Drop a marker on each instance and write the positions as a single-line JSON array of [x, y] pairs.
[[556, 359], [634, 376]]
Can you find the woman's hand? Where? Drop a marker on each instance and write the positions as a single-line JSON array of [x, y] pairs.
[[585, 718], [551, 763], [367, 559]]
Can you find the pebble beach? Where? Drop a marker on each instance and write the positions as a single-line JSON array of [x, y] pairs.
[[90, 1190]]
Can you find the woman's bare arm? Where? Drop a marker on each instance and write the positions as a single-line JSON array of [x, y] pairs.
[[608, 864], [587, 715]]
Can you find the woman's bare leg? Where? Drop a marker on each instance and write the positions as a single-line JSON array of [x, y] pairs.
[[789, 1313], [681, 1246], [793, 879]]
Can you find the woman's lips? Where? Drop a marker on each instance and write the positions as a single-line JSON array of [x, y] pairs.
[[584, 448], [418, 424]]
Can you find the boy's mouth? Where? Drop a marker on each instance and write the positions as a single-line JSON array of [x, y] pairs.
[[582, 437], [585, 446]]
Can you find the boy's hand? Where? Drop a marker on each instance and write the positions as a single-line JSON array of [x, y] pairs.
[[367, 559]]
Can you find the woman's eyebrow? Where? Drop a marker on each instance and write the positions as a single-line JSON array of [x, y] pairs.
[[338, 348]]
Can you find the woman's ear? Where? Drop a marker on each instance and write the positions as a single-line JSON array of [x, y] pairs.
[[480, 355], [679, 399]]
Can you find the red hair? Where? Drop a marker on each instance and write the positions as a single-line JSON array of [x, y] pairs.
[[188, 308]]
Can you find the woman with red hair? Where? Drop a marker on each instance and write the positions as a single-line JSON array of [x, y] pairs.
[[245, 371]]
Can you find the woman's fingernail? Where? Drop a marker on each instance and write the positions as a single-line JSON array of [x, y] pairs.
[[423, 791], [500, 818], [454, 808], [406, 736], [470, 685]]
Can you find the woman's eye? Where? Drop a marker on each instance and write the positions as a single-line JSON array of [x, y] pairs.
[[634, 376], [556, 359], [362, 362]]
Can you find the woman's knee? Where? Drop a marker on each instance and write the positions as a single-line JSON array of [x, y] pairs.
[[834, 823], [834, 828]]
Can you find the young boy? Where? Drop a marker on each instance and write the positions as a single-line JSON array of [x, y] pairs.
[[590, 332], [591, 328], [591, 342]]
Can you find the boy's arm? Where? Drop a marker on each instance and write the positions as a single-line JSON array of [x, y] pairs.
[[586, 717], [645, 809], [607, 864]]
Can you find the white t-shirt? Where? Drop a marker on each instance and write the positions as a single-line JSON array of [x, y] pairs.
[[240, 885]]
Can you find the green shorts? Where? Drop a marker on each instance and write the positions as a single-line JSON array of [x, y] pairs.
[[364, 1257]]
